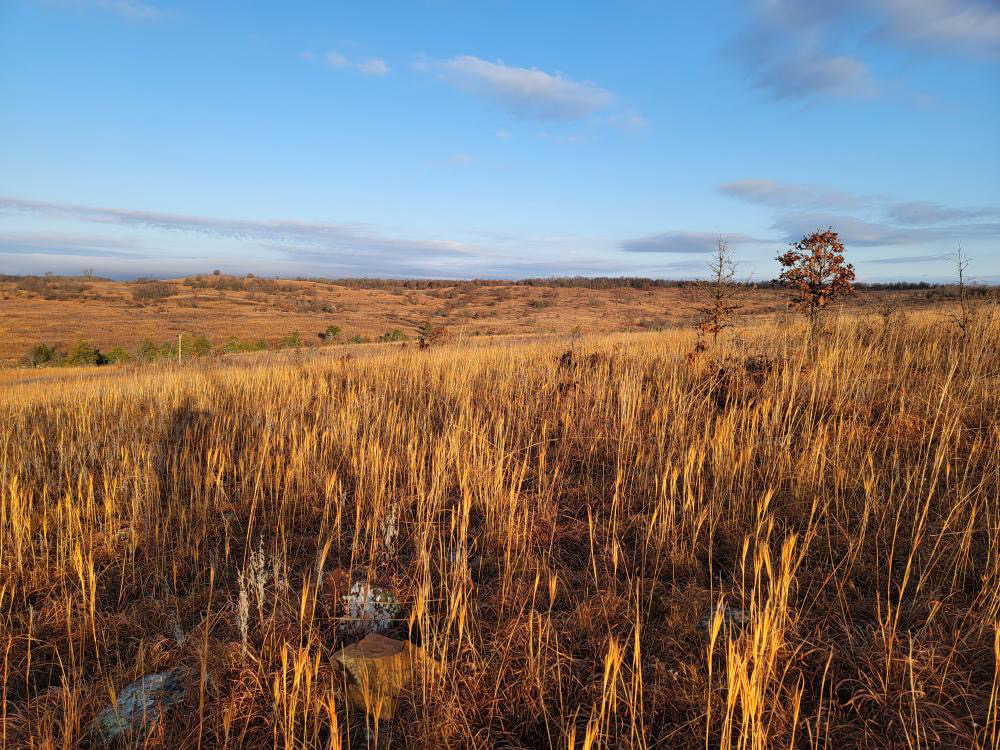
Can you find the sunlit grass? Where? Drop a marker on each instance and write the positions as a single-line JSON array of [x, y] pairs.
[[563, 532]]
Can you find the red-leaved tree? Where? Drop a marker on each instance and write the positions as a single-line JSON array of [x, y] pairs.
[[816, 272]]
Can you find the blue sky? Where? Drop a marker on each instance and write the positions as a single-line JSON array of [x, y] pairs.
[[455, 139]]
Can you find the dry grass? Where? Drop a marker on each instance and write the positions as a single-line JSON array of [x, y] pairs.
[[563, 531], [107, 314]]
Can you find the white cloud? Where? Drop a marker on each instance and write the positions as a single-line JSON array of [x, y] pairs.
[[463, 159], [335, 60], [503, 135], [374, 67], [527, 92]]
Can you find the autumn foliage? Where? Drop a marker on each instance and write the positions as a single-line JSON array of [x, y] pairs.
[[814, 269]]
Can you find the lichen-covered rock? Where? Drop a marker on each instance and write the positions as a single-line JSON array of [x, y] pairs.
[[369, 609], [379, 669], [140, 705]]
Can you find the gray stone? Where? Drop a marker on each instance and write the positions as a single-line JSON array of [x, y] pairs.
[[140, 705]]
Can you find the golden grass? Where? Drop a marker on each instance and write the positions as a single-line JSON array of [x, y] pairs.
[[563, 531]]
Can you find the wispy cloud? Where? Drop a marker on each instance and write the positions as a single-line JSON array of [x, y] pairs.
[[374, 67], [906, 259], [873, 220], [853, 231], [527, 92], [864, 233], [630, 120], [129, 8], [335, 60], [961, 26], [923, 213], [802, 50], [293, 238], [59, 243], [682, 242], [787, 53], [791, 195]]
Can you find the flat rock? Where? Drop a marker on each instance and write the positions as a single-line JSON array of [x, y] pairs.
[[140, 705], [380, 669]]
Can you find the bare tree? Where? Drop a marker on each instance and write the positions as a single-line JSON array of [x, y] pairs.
[[889, 311], [963, 318], [720, 297]]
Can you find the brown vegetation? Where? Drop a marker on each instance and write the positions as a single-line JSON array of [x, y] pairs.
[[613, 548], [124, 314]]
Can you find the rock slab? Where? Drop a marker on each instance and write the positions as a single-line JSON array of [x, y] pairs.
[[380, 669], [140, 705]]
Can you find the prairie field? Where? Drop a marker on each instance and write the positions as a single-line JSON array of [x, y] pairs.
[[59, 311], [599, 541]]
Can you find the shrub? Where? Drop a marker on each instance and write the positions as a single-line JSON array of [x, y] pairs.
[[202, 346], [199, 346], [231, 346], [294, 341], [118, 354], [234, 346], [148, 351], [394, 335], [151, 290], [357, 340], [85, 354], [332, 333], [428, 334], [41, 355]]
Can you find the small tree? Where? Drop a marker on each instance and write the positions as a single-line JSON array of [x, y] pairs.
[[41, 355], [816, 272], [888, 310], [331, 334], [963, 318], [719, 296]]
